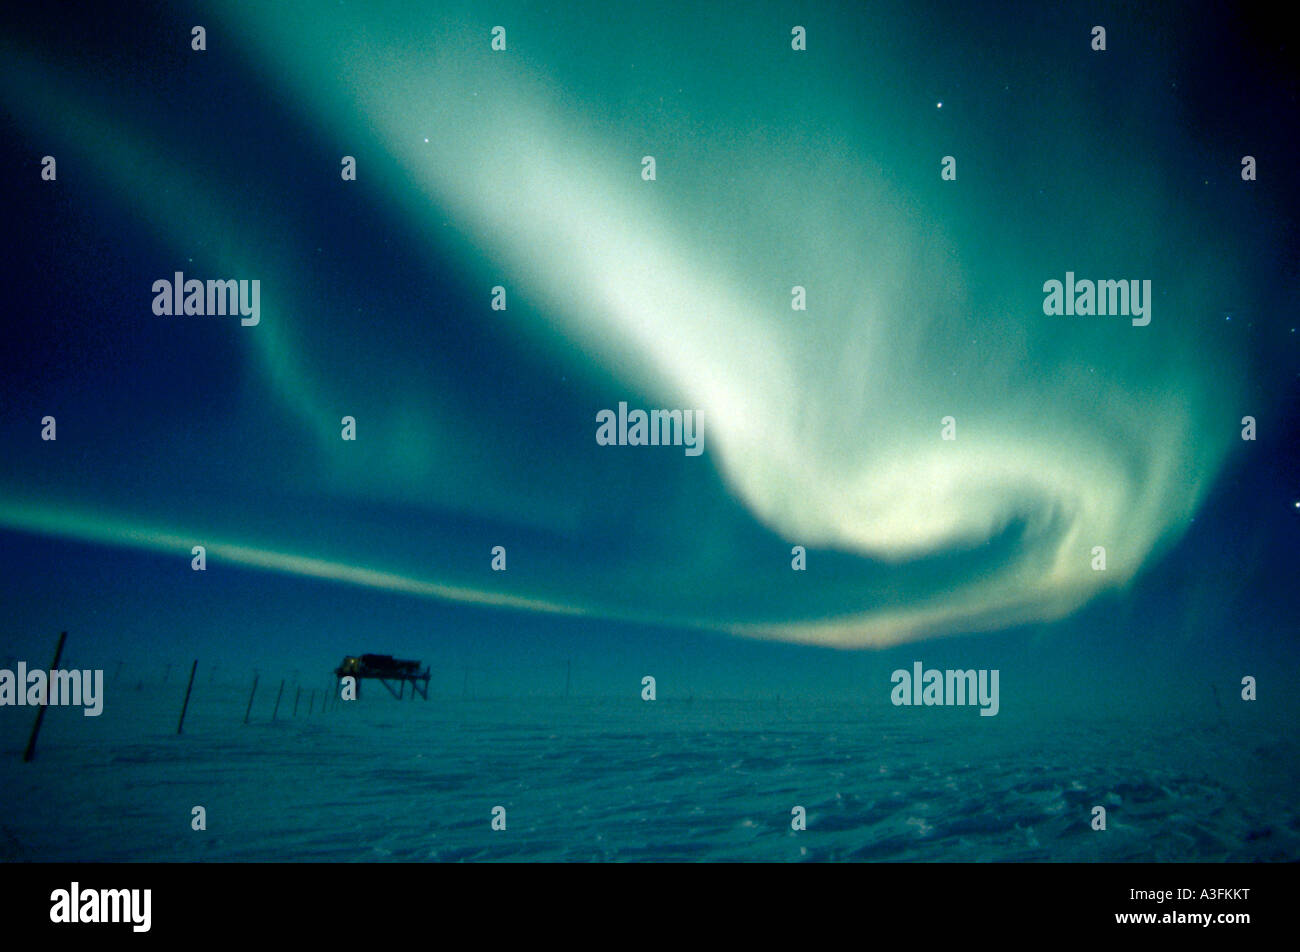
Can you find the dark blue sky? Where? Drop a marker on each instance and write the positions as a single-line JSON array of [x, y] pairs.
[[476, 427]]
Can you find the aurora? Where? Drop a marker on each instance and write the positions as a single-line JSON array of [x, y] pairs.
[[674, 292], [494, 294]]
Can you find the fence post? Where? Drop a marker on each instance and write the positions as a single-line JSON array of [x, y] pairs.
[[30, 752], [250, 699], [188, 688]]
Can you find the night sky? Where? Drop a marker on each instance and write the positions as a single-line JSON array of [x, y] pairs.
[[476, 427]]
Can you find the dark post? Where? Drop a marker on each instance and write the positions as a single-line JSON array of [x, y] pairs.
[[30, 752], [311, 704], [250, 699], [296, 696], [188, 688], [277, 700]]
